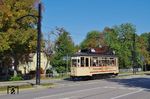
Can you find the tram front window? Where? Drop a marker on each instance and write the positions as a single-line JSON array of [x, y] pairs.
[[74, 62]]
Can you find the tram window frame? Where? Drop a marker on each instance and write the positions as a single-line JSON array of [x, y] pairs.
[[87, 62], [78, 62], [105, 61], [82, 61], [74, 61], [94, 61], [90, 61], [112, 63], [100, 63]]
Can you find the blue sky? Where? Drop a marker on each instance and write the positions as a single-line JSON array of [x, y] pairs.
[[81, 16]]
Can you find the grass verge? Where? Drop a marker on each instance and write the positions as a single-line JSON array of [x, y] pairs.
[[27, 86]]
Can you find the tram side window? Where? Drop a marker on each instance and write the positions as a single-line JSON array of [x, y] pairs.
[[95, 61], [78, 64], [100, 63], [87, 62], [108, 62], [113, 63], [105, 62], [82, 61], [74, 62]]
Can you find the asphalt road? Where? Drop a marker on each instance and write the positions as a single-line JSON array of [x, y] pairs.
[[135, 87]]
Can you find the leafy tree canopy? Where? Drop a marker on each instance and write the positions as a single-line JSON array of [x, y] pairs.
[[91, 40], [64, 47], [120, 39], [17, 38]]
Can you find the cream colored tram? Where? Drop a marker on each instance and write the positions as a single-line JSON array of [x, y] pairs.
[[93, 64]]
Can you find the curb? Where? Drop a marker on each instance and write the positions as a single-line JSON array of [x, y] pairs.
[[34, 87]]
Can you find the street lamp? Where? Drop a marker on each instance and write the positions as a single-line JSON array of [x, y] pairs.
[[38, 65]]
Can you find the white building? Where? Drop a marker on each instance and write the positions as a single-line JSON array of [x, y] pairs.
[[31, 65]]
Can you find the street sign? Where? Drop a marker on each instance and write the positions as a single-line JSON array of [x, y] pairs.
[[12, 89]]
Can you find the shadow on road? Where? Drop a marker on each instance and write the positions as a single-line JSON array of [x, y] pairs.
[[139, 82], [87, 78], [77, 79]]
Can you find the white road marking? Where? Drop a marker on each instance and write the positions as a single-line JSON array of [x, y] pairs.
[[127, 94], [77, 91], [67, 97], [118, 87], [64, 98]]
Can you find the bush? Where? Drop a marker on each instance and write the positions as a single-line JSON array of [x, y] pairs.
[[60, 69], [49, 71], [16, 78]]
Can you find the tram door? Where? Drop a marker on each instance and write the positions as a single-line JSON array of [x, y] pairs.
[[84, 70], [85, 61]]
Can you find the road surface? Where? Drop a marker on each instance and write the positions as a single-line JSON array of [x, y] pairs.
[[135, 87]]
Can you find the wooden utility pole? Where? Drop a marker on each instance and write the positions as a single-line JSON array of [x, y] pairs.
[[38, 46]]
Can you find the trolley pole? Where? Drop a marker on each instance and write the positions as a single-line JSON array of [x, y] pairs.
[[38, 65]]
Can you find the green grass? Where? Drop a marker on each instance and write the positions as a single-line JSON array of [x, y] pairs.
[[3, 88], [57, 77], [138, 73], [127, 74], [48, 84]]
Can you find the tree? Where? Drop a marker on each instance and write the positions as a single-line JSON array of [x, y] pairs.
[[144, 46], [64, 46], [48, 50], [120, 39], [17, 40], [92, 40]]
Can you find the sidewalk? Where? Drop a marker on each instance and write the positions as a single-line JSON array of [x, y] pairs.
[[32, 82], [27, 82]]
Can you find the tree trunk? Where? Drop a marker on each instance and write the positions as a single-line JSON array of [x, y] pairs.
[[15, 64], [47, 64]]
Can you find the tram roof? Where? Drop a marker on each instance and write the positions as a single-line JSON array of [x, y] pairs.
[[103, 51], [94, 54]]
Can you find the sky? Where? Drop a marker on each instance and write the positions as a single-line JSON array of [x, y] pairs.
[[79, 17]]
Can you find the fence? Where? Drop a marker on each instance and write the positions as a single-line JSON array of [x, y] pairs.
[[130, 70]]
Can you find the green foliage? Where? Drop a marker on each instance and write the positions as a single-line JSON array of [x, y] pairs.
[[144, 47], [64, 44], [91, 40], [60, 69], [120, 39], [49, 71], [16, 78], [18, 38], [64, 47]]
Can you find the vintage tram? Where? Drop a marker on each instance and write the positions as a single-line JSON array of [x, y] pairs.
[[94, 62]]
